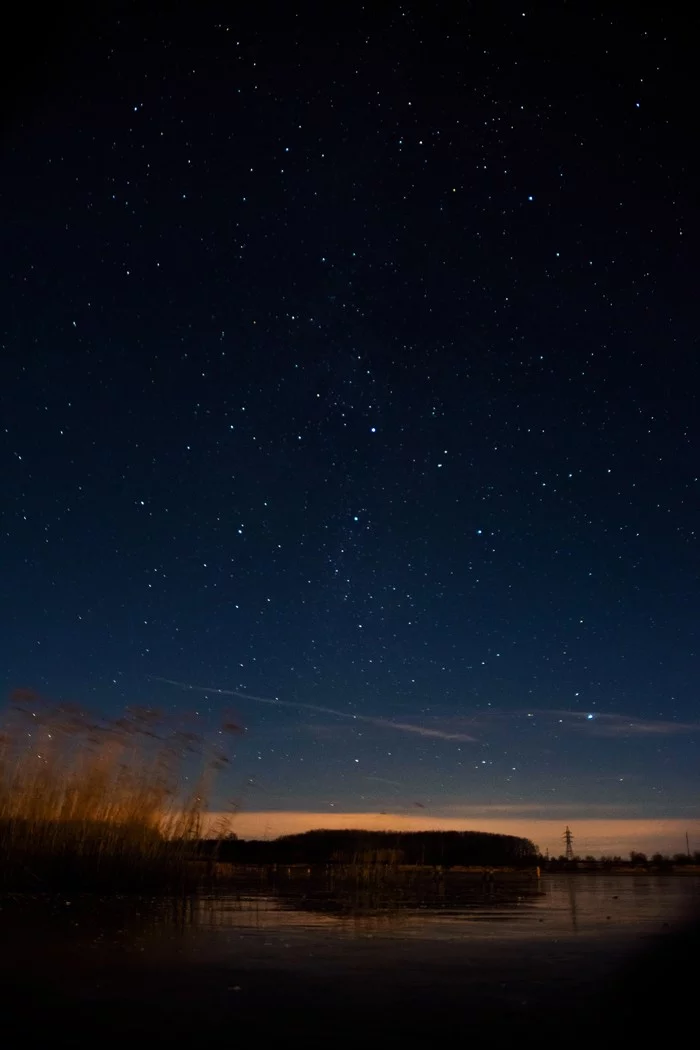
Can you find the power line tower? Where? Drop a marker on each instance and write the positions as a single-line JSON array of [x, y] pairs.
[[569, 842]]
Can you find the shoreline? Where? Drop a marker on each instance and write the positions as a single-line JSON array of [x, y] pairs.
[[221, 869]]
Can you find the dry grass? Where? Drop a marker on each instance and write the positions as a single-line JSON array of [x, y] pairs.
[[93, 804]]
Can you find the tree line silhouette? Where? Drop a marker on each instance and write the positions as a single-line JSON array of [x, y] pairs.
[[359, 847], [636, 860]]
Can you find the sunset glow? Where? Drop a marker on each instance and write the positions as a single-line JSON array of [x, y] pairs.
[[596, 835]]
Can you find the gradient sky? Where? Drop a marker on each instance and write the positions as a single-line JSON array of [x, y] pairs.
[[349, 383]]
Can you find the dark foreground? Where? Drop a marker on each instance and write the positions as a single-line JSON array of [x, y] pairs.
[[599, 958]]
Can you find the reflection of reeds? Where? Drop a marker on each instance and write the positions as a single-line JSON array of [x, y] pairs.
[[96, 804]]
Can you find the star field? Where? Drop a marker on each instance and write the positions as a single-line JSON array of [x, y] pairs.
[[349, 369]]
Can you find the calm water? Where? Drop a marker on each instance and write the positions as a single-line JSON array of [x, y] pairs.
[[497, 953], [455, 909]]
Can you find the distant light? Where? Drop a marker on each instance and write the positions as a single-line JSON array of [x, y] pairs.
[[589, 717], [531, 198], [373, 430]]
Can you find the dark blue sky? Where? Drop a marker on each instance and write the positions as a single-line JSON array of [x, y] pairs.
[[350, 359]]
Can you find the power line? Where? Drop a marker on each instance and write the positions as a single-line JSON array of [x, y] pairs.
[[569, 840]]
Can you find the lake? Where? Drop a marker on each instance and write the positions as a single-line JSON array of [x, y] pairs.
[[337, 959]]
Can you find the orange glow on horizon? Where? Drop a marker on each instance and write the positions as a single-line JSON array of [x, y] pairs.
[[594, 835]]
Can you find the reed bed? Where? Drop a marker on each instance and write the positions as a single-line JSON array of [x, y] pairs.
[[93, 804]]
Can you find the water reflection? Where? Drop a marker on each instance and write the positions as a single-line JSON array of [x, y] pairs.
[[421, 907], [451, 905], [451, 944], [331, 900], [572, 904], [525, 951]]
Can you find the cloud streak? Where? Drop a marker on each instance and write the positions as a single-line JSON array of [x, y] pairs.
[[614, 725], [382, 723], [383, 780], [592, 722]]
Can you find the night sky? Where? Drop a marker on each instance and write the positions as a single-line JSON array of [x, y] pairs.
[[349, 360]]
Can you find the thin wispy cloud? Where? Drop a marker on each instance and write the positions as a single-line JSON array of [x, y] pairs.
[[384, 780], [592, 722], [544, 810], [615, 725], [382, 723]]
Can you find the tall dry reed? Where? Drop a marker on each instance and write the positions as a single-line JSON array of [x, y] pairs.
[[97, 804]]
